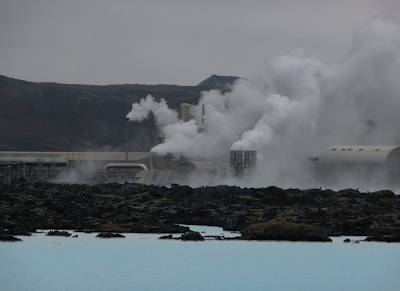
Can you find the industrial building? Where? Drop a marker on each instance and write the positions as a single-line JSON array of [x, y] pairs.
[[95, 167], [242, 162], [46, 166], [142, 167], [340, 160], [150, 168]]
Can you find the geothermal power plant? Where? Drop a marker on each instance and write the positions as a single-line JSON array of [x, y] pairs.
[[150, 168]]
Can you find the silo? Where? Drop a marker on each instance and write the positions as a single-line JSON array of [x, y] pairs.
[[253, 159], [243, 160], [247, 160], [233, 160], [185, 112], [239, 160], [236, 160]]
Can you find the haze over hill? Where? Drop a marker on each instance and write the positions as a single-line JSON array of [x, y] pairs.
[[59, 117]]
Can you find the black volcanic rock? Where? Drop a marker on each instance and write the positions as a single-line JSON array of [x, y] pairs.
[[20, 231], [9, 238], [169, 236], [387, 238], [195, 236], [110, 235], [153, 209], [58, 233]]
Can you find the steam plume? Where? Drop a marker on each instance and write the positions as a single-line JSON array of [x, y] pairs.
[[303, 107], [162, 113]]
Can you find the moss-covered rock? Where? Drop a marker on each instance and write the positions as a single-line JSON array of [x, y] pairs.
[[281, 230]]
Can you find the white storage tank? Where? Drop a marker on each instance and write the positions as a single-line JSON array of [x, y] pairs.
[[242, 160]]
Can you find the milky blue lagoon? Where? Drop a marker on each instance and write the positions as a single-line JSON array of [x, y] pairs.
[[142, 262]]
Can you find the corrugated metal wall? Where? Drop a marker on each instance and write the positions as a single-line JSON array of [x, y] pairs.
[[361, 155], [341, 159]]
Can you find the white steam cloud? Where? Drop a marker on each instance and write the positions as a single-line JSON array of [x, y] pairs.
[[302, 107], [162, 113]]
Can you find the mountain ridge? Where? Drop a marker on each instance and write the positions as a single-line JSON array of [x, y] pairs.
[[51, 116]]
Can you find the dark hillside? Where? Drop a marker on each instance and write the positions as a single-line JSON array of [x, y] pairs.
[[216, 81], [59, 117]]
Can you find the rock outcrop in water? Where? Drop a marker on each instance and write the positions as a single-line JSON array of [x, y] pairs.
[[140, 208], [9, 238], [58, 233], [193, 236], [109, 235], [385, 238], [280, 230]]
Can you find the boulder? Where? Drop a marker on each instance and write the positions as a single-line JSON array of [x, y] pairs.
[[166, 237], [109, 235], [194, 236], [59, 233]]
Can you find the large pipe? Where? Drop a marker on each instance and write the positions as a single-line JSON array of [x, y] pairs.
[[122, 166]]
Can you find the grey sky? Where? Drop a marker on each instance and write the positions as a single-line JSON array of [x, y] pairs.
[[171, 42]]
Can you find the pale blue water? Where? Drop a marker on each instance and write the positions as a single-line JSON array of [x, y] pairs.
[[142, 262]]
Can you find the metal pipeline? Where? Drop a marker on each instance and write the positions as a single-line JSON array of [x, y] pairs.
[[122, 166]]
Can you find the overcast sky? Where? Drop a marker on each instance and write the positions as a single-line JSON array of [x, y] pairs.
[[171, 42]]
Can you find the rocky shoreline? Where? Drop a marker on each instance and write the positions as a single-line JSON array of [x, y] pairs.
[[25, 207]]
